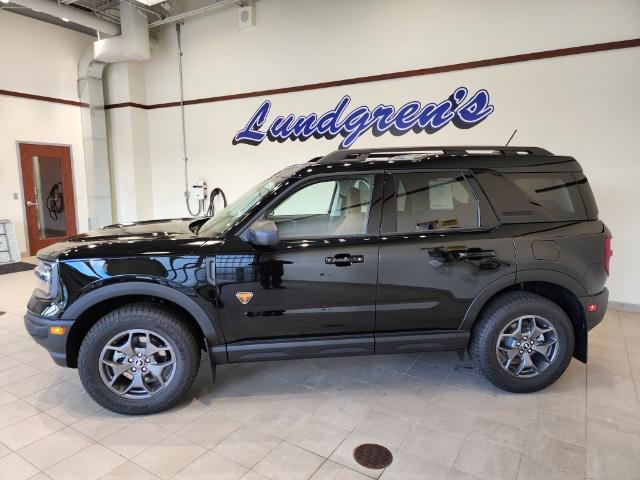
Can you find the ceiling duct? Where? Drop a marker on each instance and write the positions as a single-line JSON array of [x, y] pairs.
[[132, 44], [51, 7]]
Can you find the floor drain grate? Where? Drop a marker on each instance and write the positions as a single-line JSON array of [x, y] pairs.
[[371, 455]]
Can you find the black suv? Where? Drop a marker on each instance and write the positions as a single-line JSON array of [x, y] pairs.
[[496, 250]]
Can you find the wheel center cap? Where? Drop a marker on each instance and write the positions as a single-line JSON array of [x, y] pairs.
[[139, 363], [526, 345]]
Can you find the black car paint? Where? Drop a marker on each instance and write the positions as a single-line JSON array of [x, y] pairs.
[[419, 298]]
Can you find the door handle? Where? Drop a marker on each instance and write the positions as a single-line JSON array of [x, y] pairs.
[[343, 259], [476, 253], [31, 204]]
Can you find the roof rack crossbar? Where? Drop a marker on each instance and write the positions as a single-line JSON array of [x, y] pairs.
[[361, 155]]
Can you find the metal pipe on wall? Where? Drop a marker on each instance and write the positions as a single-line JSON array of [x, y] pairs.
[[197, 11], [185, 157]]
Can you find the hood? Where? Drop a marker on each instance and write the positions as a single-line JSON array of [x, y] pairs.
[[149, 237], [154, 227]]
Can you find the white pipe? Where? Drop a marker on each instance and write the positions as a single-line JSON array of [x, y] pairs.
[[51, 7]]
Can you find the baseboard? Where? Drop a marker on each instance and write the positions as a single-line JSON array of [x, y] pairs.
[[625, 307]]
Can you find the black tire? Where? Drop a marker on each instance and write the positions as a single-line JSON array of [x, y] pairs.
[[147, 316], [496, 316]]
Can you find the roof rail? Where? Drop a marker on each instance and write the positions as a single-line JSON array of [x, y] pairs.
[[372, 154]]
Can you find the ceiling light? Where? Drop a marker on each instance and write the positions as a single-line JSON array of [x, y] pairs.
[[64, 19], [4, 1]]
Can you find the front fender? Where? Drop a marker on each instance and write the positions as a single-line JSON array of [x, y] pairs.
[[122, 289]]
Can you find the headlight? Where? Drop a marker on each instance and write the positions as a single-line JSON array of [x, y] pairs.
[[46, 281]]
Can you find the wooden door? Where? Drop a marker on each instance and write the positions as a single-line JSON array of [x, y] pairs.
[[49, 198]]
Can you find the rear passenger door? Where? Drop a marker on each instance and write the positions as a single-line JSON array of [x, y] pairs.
[[440, 247]]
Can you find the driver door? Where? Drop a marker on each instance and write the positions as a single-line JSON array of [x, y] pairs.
[[313, 294]]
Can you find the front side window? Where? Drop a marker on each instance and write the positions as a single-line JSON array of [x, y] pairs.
[[225, 219], [427, 201], [326, 208]]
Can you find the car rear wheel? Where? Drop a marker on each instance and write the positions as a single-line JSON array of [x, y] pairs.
[[138, 359], [522, 342]]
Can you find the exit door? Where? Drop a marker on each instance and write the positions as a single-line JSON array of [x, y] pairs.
[[47, 182]]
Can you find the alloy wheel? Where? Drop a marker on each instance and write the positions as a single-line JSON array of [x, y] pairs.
[[137, 363], [527, 345]]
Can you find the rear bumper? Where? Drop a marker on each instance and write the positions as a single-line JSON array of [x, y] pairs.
[[40, 330], [601, 300]]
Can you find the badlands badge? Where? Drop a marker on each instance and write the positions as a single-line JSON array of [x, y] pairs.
[[244, 297]]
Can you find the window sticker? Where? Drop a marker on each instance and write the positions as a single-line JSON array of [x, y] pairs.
[[441, 194]]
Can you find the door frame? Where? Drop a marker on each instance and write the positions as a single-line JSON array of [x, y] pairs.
[[22, 192]]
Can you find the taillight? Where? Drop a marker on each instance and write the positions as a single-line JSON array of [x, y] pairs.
[[608, 253]]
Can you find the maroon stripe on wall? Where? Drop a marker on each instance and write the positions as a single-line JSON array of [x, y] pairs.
[[42, 98], [524, 57]]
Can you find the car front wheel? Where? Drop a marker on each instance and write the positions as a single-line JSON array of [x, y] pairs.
[[138, 359]]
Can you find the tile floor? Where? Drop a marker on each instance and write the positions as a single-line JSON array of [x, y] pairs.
[[302, 419]]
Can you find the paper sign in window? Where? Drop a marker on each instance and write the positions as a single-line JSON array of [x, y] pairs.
[[440, 194]]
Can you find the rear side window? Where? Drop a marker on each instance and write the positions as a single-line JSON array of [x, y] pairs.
[[534, 197], [434, 201]]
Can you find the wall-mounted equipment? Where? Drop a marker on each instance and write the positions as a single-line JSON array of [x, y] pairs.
[[199, 190], [247, 16]]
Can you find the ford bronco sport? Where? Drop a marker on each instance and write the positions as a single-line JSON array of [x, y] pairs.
[[496, 250]]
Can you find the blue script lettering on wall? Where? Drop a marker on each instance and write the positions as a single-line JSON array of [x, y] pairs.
[[462, 110]]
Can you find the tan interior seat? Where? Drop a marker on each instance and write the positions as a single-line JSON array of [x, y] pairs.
[[354, 220]]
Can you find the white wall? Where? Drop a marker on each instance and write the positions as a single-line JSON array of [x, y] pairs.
[[39, 59], [585, 105]]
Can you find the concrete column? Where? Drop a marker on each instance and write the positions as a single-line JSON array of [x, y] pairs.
[[128, 143], [94, 135]]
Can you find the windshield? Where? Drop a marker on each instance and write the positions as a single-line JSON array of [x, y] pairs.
[[225, 219]]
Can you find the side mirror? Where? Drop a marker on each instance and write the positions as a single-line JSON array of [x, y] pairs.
[[263, 233]]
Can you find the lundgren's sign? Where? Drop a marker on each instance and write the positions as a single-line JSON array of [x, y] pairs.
[[462, 110]]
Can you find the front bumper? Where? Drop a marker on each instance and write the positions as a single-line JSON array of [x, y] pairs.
[[601, 300], [40, 330]]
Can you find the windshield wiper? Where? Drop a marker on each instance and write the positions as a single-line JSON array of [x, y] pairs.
[[196, 224]]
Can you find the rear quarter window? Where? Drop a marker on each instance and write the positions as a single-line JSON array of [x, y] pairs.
[[525, 197]]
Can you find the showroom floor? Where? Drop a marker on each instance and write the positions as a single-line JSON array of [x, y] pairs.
[[302, 419]]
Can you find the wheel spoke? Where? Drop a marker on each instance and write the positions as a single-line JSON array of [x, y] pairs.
[[127, 348], [525, 363], [117, 367], [544, 349], [157, 368], [536, 331], [157, 375], [508, 336], [150, 349], [510, 360], [137, 382], [518, 331]]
